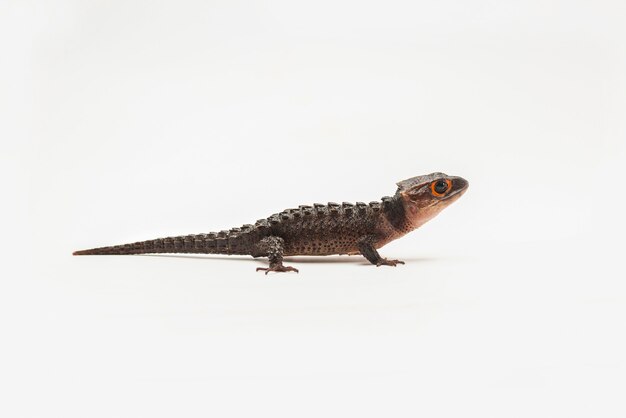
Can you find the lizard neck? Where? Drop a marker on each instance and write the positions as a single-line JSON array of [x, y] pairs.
[[395, 221], [396, 214], [404, 217]]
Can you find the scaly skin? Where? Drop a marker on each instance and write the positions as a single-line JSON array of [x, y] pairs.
[[319, 229]]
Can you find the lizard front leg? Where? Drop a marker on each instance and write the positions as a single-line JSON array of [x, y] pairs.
[[273, 248], [368, 251]]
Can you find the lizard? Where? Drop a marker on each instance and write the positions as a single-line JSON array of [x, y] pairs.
[[318, 229]]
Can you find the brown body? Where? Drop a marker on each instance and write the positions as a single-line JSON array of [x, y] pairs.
[[319, 229]]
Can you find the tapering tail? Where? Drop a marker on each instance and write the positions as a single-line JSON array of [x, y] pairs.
[[225, 242]]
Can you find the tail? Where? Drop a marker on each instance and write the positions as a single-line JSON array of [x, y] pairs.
[[234, 241]]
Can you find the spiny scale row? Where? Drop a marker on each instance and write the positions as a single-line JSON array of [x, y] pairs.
[[332, 208], [302, 211], [225, 238], [220, 241]]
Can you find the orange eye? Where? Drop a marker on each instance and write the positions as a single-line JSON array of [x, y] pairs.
[[440, 187]]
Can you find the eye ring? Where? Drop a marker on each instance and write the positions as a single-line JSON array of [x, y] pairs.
[[440, 187]]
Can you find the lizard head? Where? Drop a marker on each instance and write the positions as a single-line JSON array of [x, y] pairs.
[[424, 197]]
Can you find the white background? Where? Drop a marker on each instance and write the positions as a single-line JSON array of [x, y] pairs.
[[129, 120]]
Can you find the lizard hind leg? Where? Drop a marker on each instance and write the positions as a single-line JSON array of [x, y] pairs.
[[273, 248]]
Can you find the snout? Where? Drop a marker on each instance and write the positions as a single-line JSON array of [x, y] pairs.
[[459, 183], [459, 186]]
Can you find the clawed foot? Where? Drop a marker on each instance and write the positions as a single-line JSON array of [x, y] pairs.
[[385, 262], [279, 268]]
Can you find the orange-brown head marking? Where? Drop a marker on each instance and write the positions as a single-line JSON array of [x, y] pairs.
[[425, 196]]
